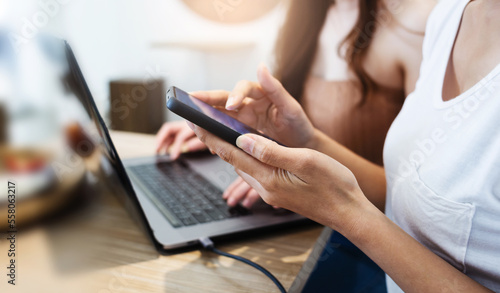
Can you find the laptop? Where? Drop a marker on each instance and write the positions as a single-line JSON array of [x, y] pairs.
[[177, 202]]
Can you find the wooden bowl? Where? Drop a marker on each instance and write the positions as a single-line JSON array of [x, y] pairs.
[[39, 192]]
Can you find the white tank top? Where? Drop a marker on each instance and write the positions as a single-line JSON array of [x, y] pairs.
[[442, 160]]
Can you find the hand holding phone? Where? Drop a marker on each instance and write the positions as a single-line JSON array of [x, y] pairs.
[[263, 105], [206, 116]]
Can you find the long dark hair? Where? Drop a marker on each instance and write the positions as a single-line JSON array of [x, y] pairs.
[[298, 39]]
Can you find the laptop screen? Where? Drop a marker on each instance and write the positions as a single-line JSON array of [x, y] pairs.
[[76, 83], [115, 176]]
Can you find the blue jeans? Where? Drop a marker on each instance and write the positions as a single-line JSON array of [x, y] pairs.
[[342, 267]]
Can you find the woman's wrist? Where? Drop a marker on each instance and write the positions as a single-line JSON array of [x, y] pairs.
[[315, 140], [356, 220]]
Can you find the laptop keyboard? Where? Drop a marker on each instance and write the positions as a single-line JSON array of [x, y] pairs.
[[184, 197]]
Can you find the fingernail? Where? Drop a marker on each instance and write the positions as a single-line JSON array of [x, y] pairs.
[[263, 66], [261, 69], [191, 125], [184, 149], [230, 104], [245, 143], [231, 202], [246, 203]]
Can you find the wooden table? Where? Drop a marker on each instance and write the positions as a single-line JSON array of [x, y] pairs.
[[56, 257]]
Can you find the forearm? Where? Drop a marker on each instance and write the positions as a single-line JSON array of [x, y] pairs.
[[370, 176], [411, 265]]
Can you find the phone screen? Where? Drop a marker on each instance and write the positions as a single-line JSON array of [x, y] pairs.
[[213, 113]]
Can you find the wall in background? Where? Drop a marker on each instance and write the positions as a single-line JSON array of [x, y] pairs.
[[151, 38]]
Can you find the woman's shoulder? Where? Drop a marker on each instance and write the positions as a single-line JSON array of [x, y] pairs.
[[397, 45]]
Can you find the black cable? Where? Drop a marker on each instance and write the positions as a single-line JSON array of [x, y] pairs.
[[209, 245]]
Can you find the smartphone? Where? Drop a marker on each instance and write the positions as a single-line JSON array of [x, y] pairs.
[[206, 116]]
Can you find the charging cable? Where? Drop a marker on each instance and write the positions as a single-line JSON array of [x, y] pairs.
[[209, 245]]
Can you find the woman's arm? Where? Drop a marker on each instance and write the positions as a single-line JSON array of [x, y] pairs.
[[318, 187], [370, 176]]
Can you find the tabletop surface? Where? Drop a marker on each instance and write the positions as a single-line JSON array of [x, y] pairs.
[[115, 256]]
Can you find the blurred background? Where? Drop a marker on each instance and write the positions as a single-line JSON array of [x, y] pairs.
[[193, 44]]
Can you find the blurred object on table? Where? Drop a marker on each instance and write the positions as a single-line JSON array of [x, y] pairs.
[[79, 141], [39, 190], [137, 105], [3, 125]]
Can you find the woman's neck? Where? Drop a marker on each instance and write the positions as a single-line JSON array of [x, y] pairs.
[[346, 4], [487, 11], [489, 5]]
